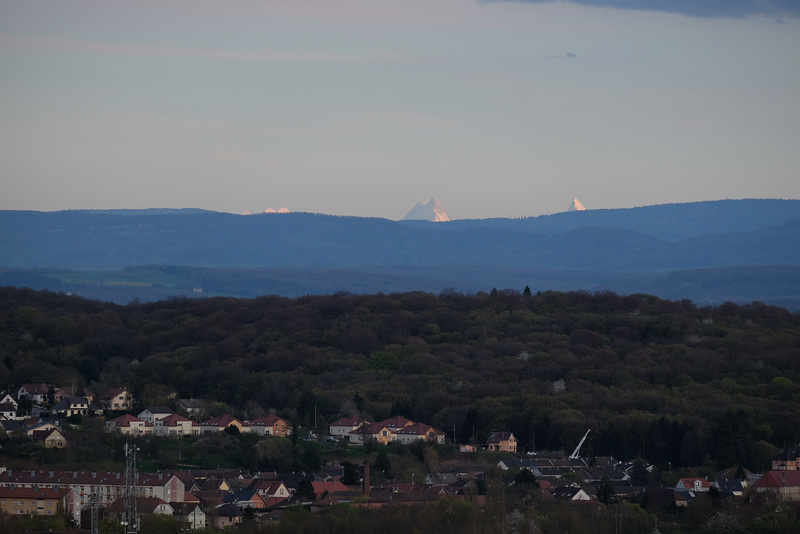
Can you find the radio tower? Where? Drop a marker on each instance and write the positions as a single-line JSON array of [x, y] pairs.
[[93, 501], [130, 518]]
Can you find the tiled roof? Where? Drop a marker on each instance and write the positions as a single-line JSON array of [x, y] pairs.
[[779, 479], [347, 421]]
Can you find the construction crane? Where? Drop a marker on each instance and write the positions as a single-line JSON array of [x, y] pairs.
[[576, 453]]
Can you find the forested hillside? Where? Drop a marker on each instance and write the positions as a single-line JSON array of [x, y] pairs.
[[664, 380]]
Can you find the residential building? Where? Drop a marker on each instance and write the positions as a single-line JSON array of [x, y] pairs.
[[117, 399], [192, 407], [189, 512], [271, 425], [52, 439], [693, 484], [341, 428], [36, 392], [502, 442], [416, 431], [69, 406], [76, 487], [31, 501], [221, 422], [130, 426], [175, 425], [781, 485], [153, 413]]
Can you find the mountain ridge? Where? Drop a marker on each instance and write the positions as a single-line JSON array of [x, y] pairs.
[[651, 241]]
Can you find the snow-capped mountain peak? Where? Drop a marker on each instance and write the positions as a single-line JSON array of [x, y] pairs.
[[576, 205], [432, 210]]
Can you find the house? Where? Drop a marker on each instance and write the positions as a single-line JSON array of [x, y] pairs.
[[730, 486], [396, 423], [8, 399], [38, 425], [221, 422], [35, 392], [693, 484], [144, 505], [175, 425], [227, 515], [416, 431], [153, 413], [502, 442], [11, 426], [786, 460], [780, 485], [189, 512], [72, 391], [271, 425], [373, 431], [30, 501], [272, 491], [69, 406], [192, 407], [117, 399], [245, 498], [8, 410], [130, 426], [570, 493], [342, 427], [52, 439]]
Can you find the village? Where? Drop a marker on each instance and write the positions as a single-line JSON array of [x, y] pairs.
[[220, 498]]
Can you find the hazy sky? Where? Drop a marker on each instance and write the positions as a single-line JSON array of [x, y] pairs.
[[365, 107]]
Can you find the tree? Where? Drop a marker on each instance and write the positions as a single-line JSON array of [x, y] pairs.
[[526, 292], [383, 464], [349, 474], [305, 491], [722, 523], [605, 491]]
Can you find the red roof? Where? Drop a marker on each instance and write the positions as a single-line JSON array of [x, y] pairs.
[[36, 389], [111, 393], [330, 486], [29, 493], [224, 420], [127, 419], [779, 479], [268, 420], [348, 421], [688, 483], [419, 429], [398, 421], [174, 419]]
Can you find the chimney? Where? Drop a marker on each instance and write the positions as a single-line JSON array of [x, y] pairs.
[[366, 479]]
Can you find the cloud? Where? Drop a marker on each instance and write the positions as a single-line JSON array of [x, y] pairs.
[[693, 8]]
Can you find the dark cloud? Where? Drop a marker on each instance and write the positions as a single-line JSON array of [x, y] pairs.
[[570, 54], [695, 8]]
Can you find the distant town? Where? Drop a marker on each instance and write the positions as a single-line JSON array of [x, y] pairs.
[[52, 418]]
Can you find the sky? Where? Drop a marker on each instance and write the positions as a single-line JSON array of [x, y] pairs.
[[366, 107]]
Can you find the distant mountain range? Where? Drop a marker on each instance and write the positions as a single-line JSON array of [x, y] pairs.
[[668, 250]]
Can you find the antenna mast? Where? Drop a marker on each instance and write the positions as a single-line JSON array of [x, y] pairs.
[[130, 518]]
